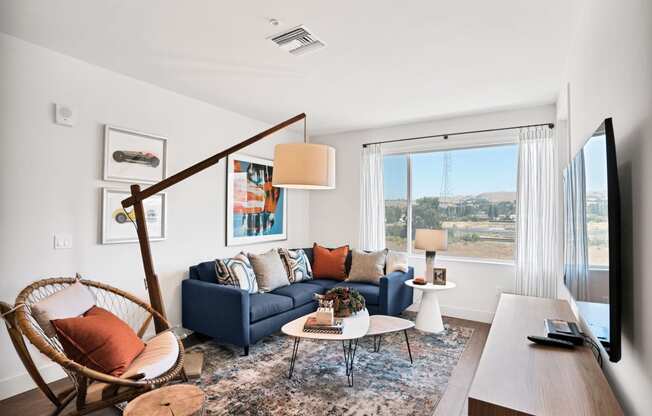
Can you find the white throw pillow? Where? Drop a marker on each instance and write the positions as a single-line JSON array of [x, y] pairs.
[[296, 264], [396, 262], [70, 302]]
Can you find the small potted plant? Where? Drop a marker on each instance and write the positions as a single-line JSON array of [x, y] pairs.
[[346, 301]]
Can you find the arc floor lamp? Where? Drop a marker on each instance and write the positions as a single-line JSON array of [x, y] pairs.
[[296, 165]]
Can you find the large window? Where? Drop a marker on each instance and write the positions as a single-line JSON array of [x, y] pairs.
[[469, 192]]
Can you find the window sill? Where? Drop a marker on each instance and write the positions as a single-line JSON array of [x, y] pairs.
[[465, 260]]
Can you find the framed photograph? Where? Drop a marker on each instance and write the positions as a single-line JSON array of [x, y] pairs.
[[439, 276], [118, 224], [255, 210], [135, 157]]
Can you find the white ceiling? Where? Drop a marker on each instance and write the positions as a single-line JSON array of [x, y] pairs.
[[387, 62]]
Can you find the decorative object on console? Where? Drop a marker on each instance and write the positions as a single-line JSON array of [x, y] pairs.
[[367, 267], [420, 280], [346, 301], [439, 276], [431, 241], [269, 270], [255, 210], [236, 271], [296, 264], [118, 223], [329, 263], [396, 262], [132, 156]]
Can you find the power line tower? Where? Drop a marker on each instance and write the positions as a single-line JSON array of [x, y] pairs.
[[445, 191]]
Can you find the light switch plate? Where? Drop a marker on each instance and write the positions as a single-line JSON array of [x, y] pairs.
[[62, 241]]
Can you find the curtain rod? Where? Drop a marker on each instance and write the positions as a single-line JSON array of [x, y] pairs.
[[445, 136]]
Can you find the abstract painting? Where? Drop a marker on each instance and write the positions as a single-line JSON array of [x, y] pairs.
[[256, 211]]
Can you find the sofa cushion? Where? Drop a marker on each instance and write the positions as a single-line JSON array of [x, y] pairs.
[[299, 293], [324, 283], [329, 263], [236, 271], [369, 291], [264, 305], [269, 269], [296, 265], [367, 267]]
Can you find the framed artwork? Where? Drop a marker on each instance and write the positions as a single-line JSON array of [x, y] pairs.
[[439, 276], [117, 225], [255, 210], [135, 157]]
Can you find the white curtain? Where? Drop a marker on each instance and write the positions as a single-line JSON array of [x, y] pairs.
[[576, 249], [539, 247], [372, 199]]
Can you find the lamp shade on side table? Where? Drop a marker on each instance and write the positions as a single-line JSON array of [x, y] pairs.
[[431, 241], [429, 315]]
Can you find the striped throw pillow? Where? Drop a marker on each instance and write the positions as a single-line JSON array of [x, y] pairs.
[[236, 271], [296, 265]]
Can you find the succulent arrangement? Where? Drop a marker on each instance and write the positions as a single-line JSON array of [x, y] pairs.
[[346, 301]]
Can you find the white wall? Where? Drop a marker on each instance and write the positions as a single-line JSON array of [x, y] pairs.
[[479, 283], [50, 181], [610, 75]]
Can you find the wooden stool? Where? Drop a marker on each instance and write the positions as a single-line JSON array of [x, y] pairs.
[[177, 400]]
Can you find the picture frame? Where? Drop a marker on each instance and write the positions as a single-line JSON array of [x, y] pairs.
[[133, 156], [117, 225], [256, 212], [439, 276]]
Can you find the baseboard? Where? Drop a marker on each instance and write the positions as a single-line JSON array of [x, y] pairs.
[[469, 314], [20, 383]]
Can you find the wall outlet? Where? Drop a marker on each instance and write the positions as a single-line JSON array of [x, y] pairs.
[[62, 241]]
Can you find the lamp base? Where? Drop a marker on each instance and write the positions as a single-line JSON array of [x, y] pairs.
[[430, 264]]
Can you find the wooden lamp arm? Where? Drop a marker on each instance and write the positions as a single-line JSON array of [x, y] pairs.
[[136, 201]]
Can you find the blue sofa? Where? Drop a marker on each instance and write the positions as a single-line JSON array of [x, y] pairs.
[[232, 315]]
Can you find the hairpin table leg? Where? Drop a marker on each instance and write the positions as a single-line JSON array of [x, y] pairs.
[[408, 346], [295, 350]]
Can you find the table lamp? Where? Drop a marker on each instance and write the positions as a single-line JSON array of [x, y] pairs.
[[431, 241]]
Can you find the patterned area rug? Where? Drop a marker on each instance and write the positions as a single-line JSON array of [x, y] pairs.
[[385, 382]]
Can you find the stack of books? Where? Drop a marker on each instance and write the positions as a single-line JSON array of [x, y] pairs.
[[314, 327]]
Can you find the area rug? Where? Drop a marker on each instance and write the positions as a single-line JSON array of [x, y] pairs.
[[385, 382]]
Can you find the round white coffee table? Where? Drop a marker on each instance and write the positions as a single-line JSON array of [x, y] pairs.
[[355, 327], [429, 315]]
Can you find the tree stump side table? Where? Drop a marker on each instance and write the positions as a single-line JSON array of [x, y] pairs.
[[177, 400]]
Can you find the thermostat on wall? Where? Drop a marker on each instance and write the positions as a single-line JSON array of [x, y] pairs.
[[64, 115]]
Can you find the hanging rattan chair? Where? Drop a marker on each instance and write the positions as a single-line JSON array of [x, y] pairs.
[[93, 390]]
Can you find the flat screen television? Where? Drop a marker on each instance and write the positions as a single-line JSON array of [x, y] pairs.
[[592, 258]]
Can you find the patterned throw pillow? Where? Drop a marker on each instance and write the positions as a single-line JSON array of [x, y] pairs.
[[236, 271], [296, 264]]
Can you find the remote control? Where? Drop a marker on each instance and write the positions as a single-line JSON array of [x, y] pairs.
[[551, 342]]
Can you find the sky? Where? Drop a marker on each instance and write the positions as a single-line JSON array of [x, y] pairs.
[[472, 171], [595, 164]]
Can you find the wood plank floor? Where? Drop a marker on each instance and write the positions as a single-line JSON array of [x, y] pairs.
[[452, 403]]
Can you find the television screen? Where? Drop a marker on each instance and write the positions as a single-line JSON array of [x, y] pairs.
[[592, 236]]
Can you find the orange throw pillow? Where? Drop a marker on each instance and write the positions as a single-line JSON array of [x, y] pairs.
[[329, 264], [99, 340]]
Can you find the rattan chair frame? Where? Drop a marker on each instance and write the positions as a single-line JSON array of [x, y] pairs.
[[81, 375]]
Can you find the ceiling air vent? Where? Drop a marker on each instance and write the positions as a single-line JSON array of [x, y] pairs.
[[297, 41]]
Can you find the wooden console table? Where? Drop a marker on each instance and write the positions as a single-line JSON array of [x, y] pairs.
[[516, 377]]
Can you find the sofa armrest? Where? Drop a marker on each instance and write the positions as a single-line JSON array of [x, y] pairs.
[[219, 311], [395, 295]]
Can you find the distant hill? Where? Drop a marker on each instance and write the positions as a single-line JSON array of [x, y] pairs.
[[498, 196]]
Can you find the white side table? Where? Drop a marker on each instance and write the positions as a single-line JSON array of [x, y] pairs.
[[429, 315]]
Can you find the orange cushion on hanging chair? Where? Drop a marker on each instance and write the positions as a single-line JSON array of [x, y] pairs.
[[99, 340]]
